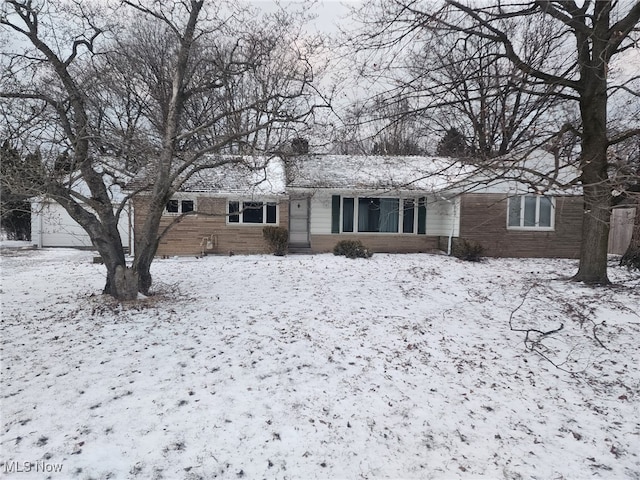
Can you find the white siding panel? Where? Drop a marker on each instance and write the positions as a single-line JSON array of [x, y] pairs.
[[320, 221], [442, 216], [58, 229], [456, 231], [52, 226]]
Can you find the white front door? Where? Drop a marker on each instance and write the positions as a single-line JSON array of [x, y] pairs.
[[299, 221]]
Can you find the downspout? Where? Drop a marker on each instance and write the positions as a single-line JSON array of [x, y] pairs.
[[38, 224], [40, 228], [453, 228], [453, 225], [130, 215]]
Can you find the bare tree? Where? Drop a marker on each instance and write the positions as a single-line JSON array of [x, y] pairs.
[[151, 101], [474, 89], [541, 52], [15, 208], [625, 168], [453, 80], [399, 130], [347, 135], [379, 127]]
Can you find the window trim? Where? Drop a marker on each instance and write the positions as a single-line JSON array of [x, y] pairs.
[[419, 206], [536, 227], [241, 201], [180, 201]]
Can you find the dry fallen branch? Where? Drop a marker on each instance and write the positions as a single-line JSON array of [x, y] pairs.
[[535, 345], [574, 309], [530, 344]]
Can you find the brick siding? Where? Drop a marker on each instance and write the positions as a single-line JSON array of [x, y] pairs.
[[186, 238], [381, 243], [483, 219]]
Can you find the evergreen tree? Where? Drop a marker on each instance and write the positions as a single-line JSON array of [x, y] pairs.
[[453, 144]]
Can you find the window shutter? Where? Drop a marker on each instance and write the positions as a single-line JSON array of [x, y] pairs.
[[422, 216], [335, 214]]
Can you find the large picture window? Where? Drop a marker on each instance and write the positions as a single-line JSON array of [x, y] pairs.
[[378, 215], [253, 212], [531, 212]]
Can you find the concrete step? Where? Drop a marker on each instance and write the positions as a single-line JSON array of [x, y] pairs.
[[300, 249]]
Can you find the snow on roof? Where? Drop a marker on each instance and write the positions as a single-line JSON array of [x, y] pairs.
[[537, 171], [261, 175], [79, 188], [244, 174], [359, 172]]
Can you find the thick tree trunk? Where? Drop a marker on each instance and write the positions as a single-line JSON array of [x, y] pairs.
[[104, 234], [143, 268], [146, 244], [595, 235], [121, 281], [595, 179], [149, 235]]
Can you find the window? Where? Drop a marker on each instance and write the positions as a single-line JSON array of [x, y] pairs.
[[422, 216], [531, 212], [347, 214], [253, 212], [175, 206], [378, 215], [408, 215]]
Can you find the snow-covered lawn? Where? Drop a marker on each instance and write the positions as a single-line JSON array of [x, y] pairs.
[[401, 366]]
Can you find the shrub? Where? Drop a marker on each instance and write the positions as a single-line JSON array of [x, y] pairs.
[[467, 250], [352, 249], [277, 238]]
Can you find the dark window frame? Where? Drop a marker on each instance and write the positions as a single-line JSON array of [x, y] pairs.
[[252, 212], [180, 206], [345, 217]]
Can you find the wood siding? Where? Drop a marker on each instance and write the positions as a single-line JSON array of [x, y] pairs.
[[188, 236], [621, 231], [483, 219]]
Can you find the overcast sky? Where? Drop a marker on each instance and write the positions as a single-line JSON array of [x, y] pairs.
[[328, 12]]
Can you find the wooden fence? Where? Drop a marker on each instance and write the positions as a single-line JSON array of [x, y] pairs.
[[621, 229]]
